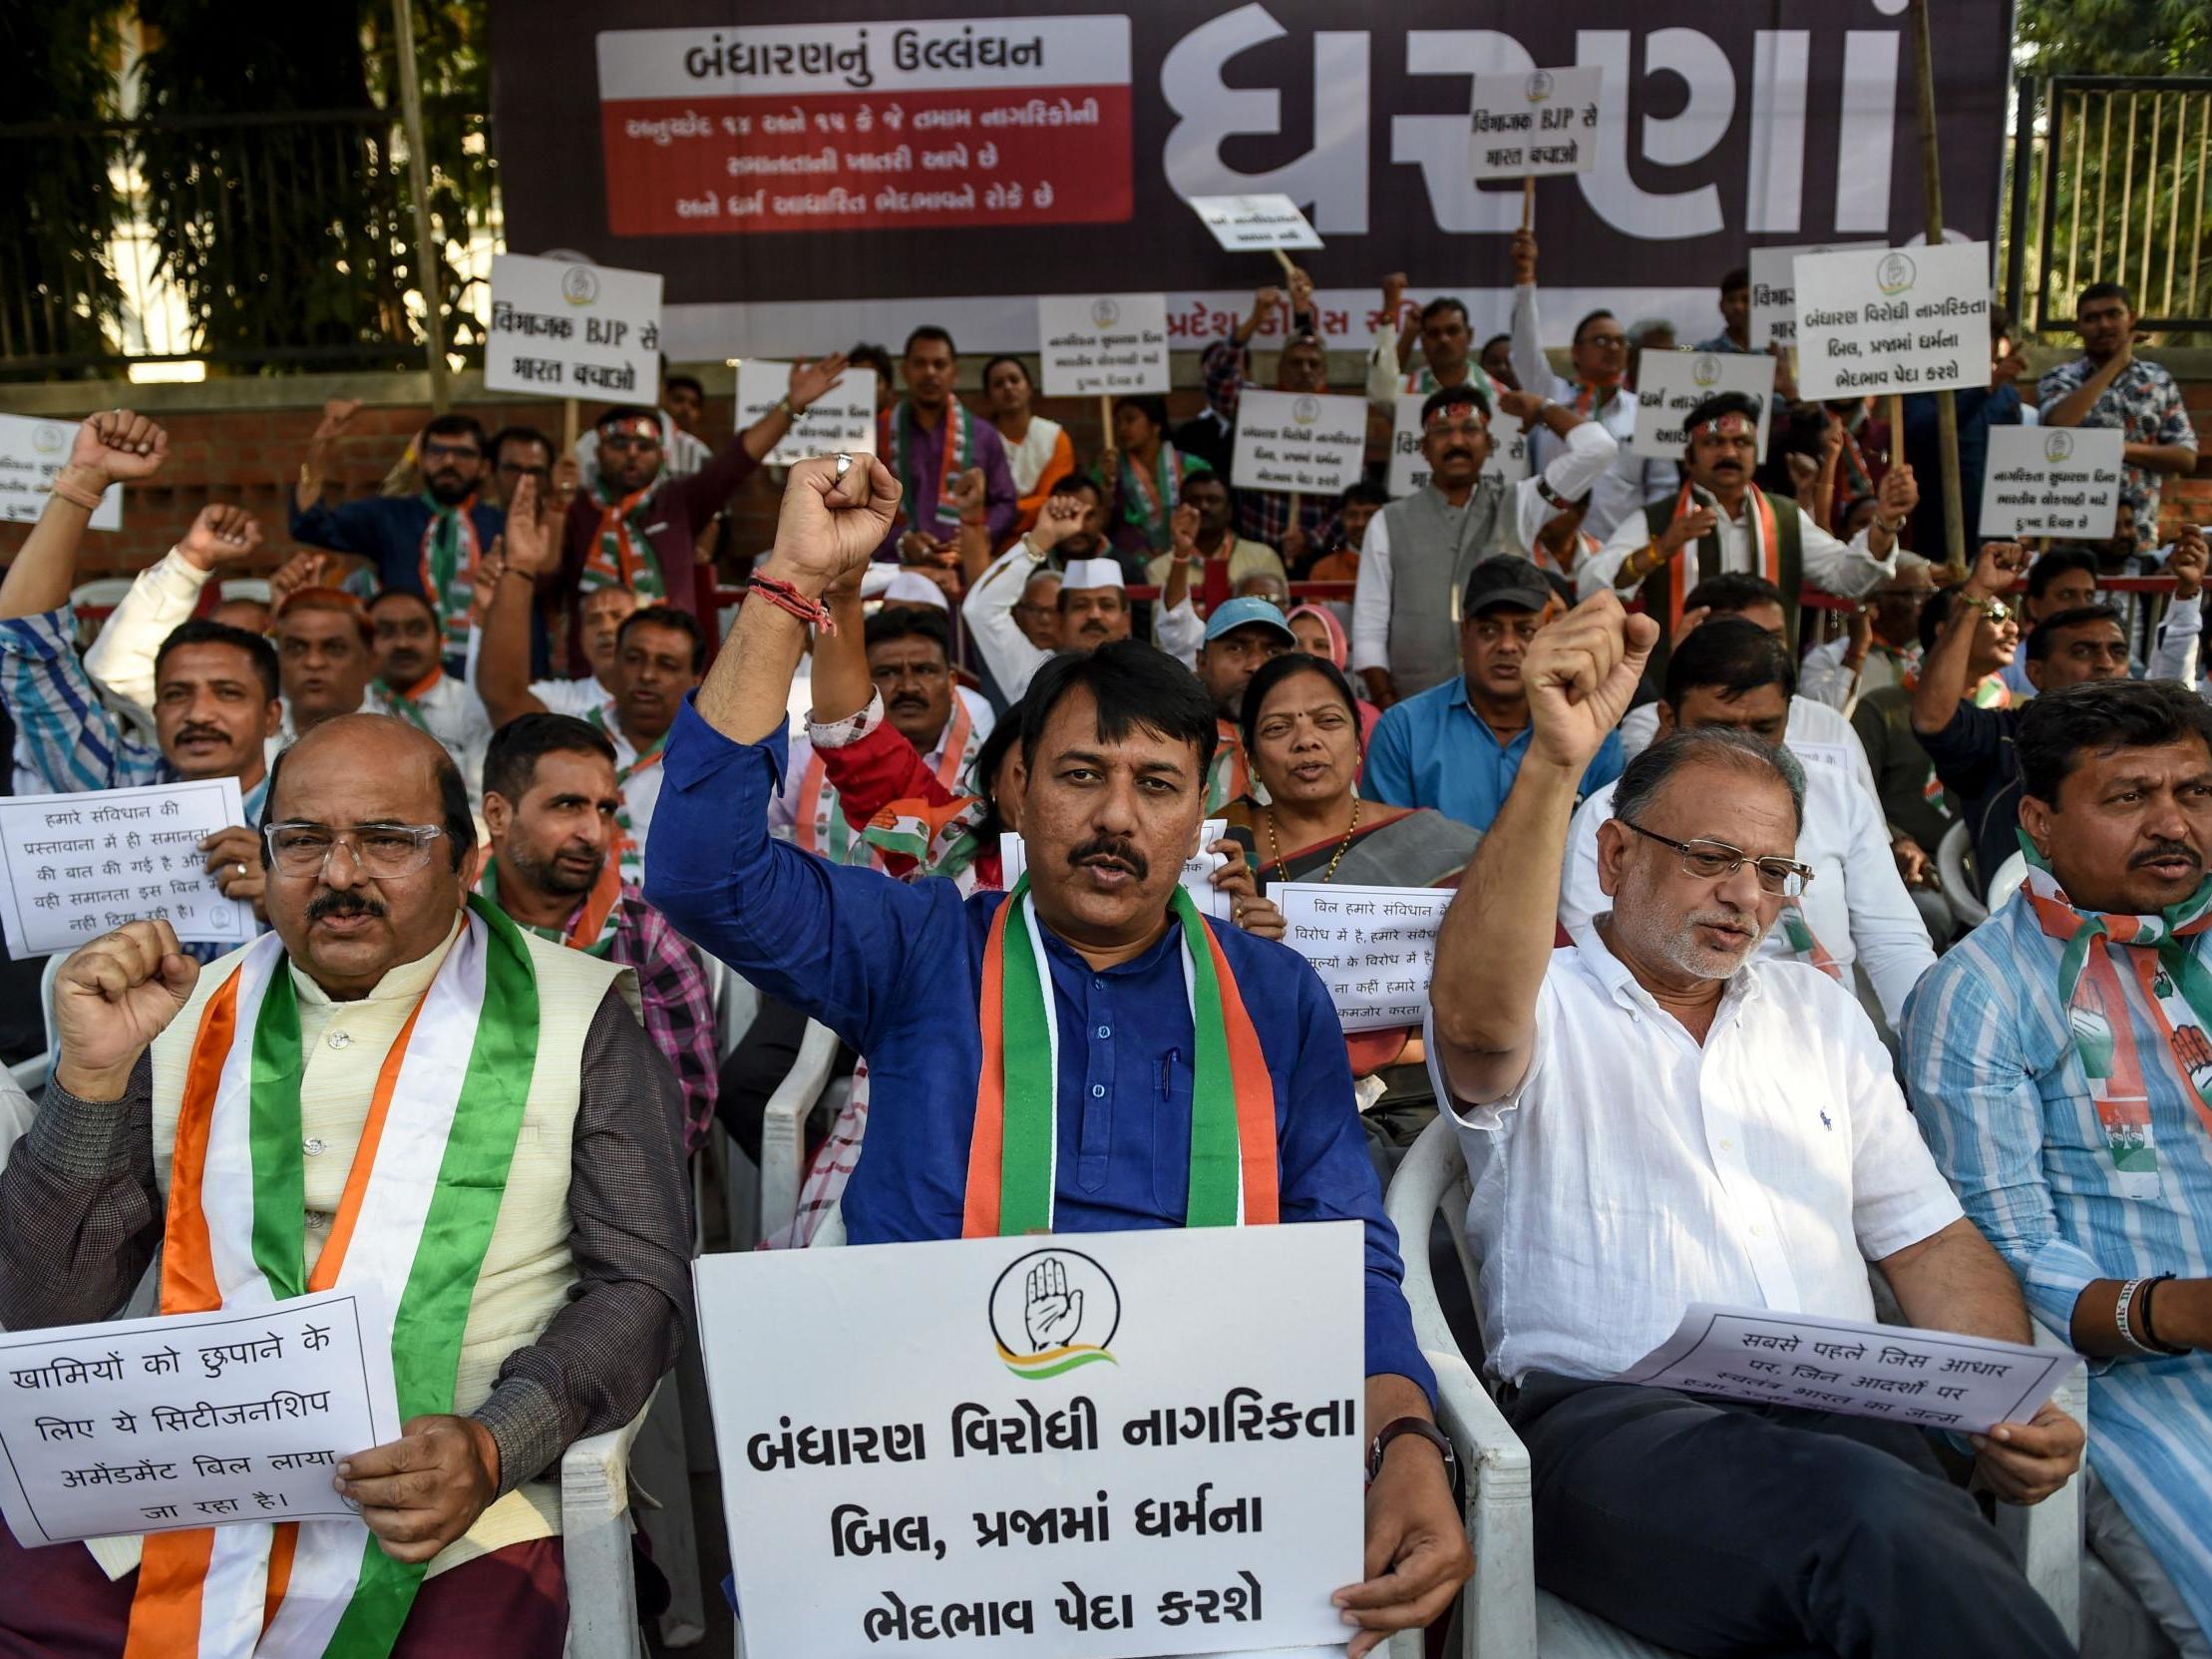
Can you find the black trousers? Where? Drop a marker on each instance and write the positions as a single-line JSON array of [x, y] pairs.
[[758, 1064], [1722, 1528]]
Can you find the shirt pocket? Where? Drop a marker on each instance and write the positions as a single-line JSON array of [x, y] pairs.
[[1170, 1134]]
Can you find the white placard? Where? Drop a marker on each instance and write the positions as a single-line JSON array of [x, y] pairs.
[[1509, 448], [31, 453], [1255, 223], [1929, 1378], [565, 329], [1373, 947], [189, 1419], [1901, 319], [842, 419], [1309, 442], [1536, 125], [2052, 481], [1774, 290], [1123, 1443], [77, 865], [1108, 344], [1669, 384], [1198, 869]]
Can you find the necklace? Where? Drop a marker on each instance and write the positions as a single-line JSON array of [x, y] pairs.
[[1274, 847]]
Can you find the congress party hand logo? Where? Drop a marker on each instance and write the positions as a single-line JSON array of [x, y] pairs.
[[2057, 446], [1538, 86], [1895, 273], [1706, 372], [579, 285], [1053, 1310], [1104, 313]]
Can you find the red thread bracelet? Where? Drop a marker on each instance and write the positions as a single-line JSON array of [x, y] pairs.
[[786, 597]]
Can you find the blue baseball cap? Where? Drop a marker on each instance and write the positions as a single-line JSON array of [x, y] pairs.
[[1247, 611]]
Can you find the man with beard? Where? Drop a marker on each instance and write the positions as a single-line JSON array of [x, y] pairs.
[[1093, 602], [413, 684], [1449, 357], [554, 811], [1654, 1118]]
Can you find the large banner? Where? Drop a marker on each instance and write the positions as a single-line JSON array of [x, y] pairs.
[[813, 174]]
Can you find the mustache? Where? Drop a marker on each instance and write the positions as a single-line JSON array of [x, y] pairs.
[[1104, 847], [2167, 849], [342, 904], [909, 699], [186, 734], [1723, 916]]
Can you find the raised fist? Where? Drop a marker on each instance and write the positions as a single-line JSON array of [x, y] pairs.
[[224, 534], [116, 446], [112, 997]]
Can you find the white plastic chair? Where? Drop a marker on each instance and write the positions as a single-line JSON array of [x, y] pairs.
[[30, 1075], [1957, 886], [783, 1127], [595, 1546], [1503, 1614]]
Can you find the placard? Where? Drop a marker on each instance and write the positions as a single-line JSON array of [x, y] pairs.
[[1669, 384], [1255, 223], [1536, 125], [561, 329], [190, 1419], [1099, 1446], [1509, 448], [841, 420], [31, 453], [1103, 344], [77, 865], [1309, 442], [1901, 319], [1196, 880], [1373, 947], [1774, 290], [2051, 481]]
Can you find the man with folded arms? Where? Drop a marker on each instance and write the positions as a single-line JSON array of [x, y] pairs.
[[946, 997], [1654, 1118], [521, 1211]]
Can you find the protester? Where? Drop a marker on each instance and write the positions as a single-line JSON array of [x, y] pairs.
[[1148, 476], [1337, 555], [1093, 599], [1321, 634], [515, 453], [1457, 746], [1218, 546], [868, 355], [2108, 385], [1418, 551], [929, 438], [681, 453], [1114, 749], [2060, 580], [1731, 674], [2056, 1062], [413, 684], [1602, 1095], [1241, 637], [1301, 366], [1979, 409], [1647, 334], [1735, 313], [1038, 453], [564, 1210], [1496, 360], [1880, 648], [1447, 351]]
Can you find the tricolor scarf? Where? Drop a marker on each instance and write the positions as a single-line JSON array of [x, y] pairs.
[[1586, 400], [939, 837], [591, 927], [1148, 500], [820, 824], [956, 456], [630, 852], [2093, 976], [1804, 943], [1230, 778], [1585, 544], [448, 559], [1766, 548], [407, 704], [621, 557], [419, 1204], [1014, 1151], [1424, 381]]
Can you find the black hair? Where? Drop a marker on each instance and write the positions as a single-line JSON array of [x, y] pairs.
[[1134, 686], [383, 593], [1721, 403], [2044, 634], [668, 616], [456, 817], [1151, 405], [1009, 357], [1274, 671], [868, 355], [983, 773], [2055, 564], [1074, 484], [1737, 276], [1594, 317], [1729, 656], [2002, 325], [518, 435], [511, 759], [2104, 290], [627, 412], [909, 622], [1737, 751], [2059, 727], [690, 382], [201, 631], [1198, 473], [929, 331], [1483, 351], [1733, 591], [457, 426], [1933, 611], [1441, 304], [1364, 491], [1450, 397]]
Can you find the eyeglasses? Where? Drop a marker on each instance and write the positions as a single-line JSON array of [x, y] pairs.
[[434, 451], [383, 852], [1711, 860], [1997, 612], [628, 440]]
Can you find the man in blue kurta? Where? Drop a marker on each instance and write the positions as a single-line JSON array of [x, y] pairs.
[[1200, 1071]]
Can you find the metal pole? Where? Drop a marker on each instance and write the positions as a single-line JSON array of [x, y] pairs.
[[427, 262], [2024, 164], [1930, 191]]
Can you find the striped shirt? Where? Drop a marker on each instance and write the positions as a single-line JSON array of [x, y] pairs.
[[2005, 1108]]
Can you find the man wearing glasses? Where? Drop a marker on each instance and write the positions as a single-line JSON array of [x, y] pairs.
[[1655, 1118]]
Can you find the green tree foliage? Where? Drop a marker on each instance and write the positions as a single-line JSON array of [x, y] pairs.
[[2113, 37]]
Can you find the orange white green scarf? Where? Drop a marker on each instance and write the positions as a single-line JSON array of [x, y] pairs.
[[407, 704], [956, 456], [629, 851], [1766, 548], [410, 1232], [447, 560], [819, 823], [591, 927], [621, 556]]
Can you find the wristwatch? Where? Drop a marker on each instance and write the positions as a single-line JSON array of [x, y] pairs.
[[1427, 1431], [786, 408]]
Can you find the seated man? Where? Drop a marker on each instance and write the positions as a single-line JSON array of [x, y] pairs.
[[1093, 601], [561, 1219], [1457, 746], [411, 681], [2056, 1060], [2060, 580], [1653, 1118], [1113, 755], [1207, 493], [327, 654], [1730, 674], [1879, 650]]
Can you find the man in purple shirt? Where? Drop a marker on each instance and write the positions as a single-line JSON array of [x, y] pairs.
[[927, 439]]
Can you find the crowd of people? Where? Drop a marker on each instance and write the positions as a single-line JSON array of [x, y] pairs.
[[1710, 1010]]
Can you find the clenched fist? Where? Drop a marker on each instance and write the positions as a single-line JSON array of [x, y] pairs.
[[114, 996]]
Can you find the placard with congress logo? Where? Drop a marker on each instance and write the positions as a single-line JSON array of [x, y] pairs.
[[1669, 384], [1309, 442], [2052, 481], [1537, 123], [1509, 447], [1899, 319], [1103, 344], [1093, 1446], [32, 453], [563, 329]]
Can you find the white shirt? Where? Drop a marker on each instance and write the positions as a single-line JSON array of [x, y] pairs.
[[784, 805], [1632, 1172], [1581, 460], [1843, 569], [452, 713], [1633, 481], [988, 610], [161, 599], [1816, 735], [1823, 677], [1857, 905]]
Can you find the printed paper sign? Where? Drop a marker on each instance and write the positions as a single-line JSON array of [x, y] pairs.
[[1107, 343], [566, 329], [1509, 448], [1308, 442], [1535, 124], [190, 1419], [1774, 290], [1373, 947], [1198, 869], [31, 453], [1930, 1379], [1100, 1445], [79, 865], [1255, 223], [2051, 481], [1669, 384], [841, 420], [1901, 319]]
